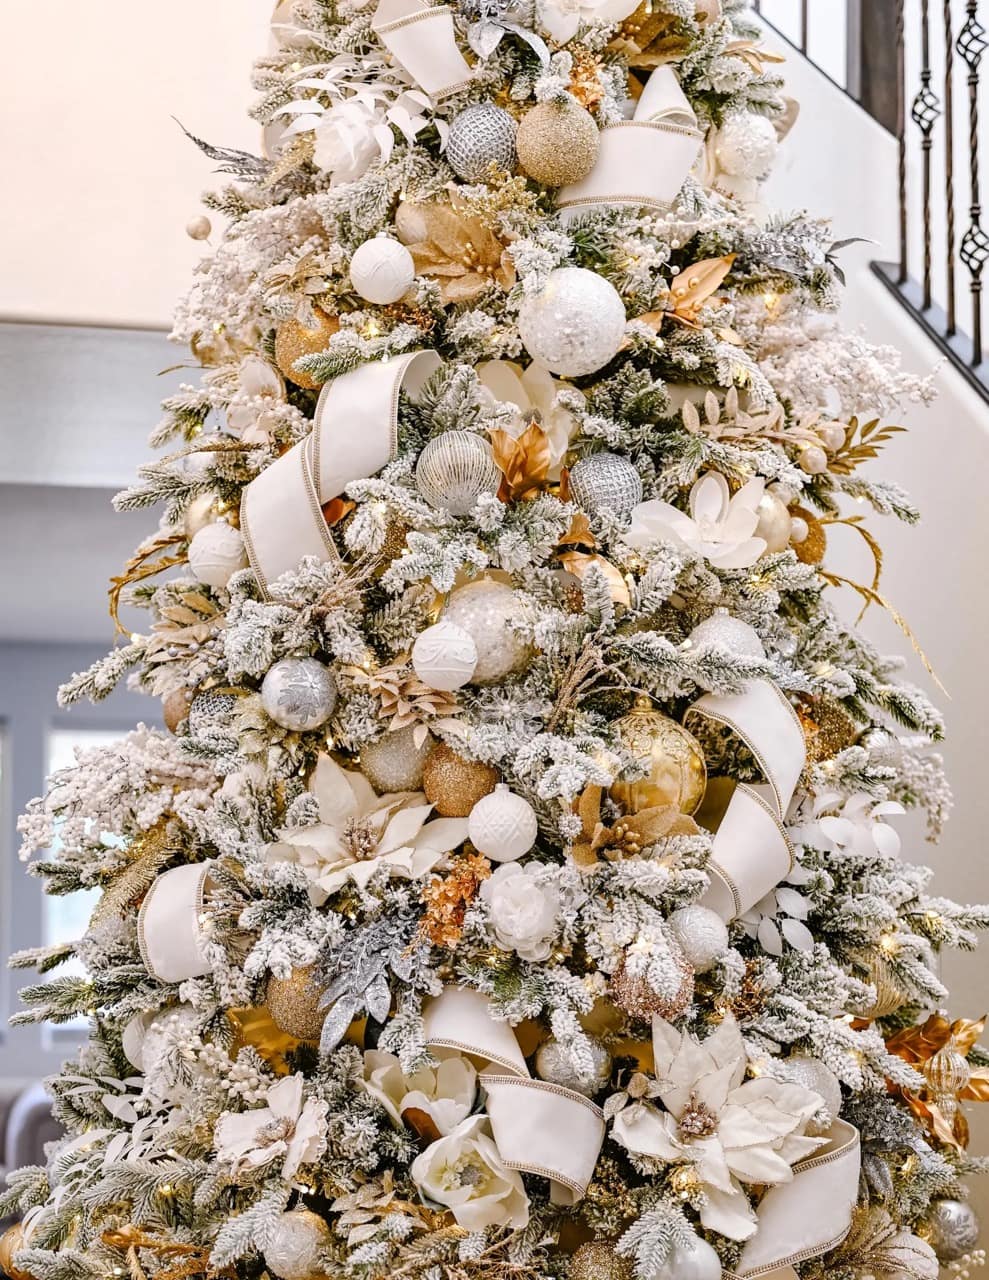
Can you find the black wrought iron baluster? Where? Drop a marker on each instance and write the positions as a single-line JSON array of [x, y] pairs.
[[925, 110], [901, 135], [804, 24], [949, 170], [971, 46]]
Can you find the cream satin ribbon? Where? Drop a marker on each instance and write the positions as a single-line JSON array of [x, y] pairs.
[[170, 932], [420, 37], [538, 1127], [355, 433], [642, 161], [751, 853]]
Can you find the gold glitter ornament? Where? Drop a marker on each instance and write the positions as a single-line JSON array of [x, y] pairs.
[[454, 785], [889, 997], [598, 1261], [640, 1000], [809, 549], [293, 1003], [827, 726], [675, 770], [11, 1243], [293, 340], [557, 144], [175, 708]]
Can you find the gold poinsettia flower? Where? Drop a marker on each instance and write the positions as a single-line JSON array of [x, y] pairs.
[[461, 251], [628, 837]]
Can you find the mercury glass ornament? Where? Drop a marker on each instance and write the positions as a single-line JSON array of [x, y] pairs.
[[702, 935], [954, 1229], [293, 1003], [745, 145], [11, 1243], [485, 609], [695, 1261], [293, 340], [454, 469], [444, 656], [672, 757], [394, 762], [555, 1064], [812, 1074], [481, 136], [723, 631], [502, 825], [596, 1260], [558, 144], [382, 270], [774, 523], [216, 553], [299, 694], [295, 1243], [575, 324], [606, 480], [947, 1072], [454, 785]]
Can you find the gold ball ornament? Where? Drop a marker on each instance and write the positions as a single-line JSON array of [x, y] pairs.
[[175, 707], [674, 762], [293, 1003], [828, 728], [11, 1242], [596, 1260], [294, 340], [557, 144], [889, 997], [199, 228], [454, 785], [811, 545]]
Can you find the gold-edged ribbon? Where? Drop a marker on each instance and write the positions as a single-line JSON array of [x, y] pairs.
[[421, 38], [171, 932]]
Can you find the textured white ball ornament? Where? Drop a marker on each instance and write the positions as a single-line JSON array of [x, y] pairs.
[[455, 469], [146, 1035], [702, 935], [299, 694], [444, 656], [574, 324], [696, 1261], [216, 552], [774, 523], [812, 1074], [911, 1259], [502, 825], [485, 610], [555, 1064], [382, 270], [394, 762], [295, 1244], [746, 145], [725, 632]]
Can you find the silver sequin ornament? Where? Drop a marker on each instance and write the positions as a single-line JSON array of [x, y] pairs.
[[481, 136], [575, 324], [454, 470], [606, 480], [207, 708], [299, 694], [486, 609], [555, 1064]]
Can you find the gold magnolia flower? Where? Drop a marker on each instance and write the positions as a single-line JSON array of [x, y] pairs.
[[629, 836], [461, 251]]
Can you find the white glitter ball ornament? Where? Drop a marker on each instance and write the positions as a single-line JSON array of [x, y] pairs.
[[574, 324], [382, 270], [454, 470], [444, 656], [812, 1074], [216, 552], [146, 1036], [480, 137], [722, 631], [695, 1261], [702, 935], [485, 610], [502, 825], [746, 145], [555, 1064], [394, 762], [606, 480], [294, 1247], [299, 694]]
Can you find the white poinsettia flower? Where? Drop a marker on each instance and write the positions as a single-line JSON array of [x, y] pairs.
[[857, 827], [561, 19], [732, 1130], [259, 388], [464, 1172], [360, 832], [288, 1130], [445, 1093], [779, 917], [533, 392], [720, 527]]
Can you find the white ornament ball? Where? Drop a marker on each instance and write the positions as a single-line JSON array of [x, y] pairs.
[[774, 523], [382, 270], [198, 228], [812, 1074], [295, 1245], [606, 480], [555, 1065], [502, 825], [832, 435], [799, 530], [485, 609], [216, 553], [455, 469], [954, 1229], [723, 631], [910, 1257], [574, 324], [696, 1261], [746, 145], [394, 762], [444, 656], [147, 1035], [299, 694], [702, 935], [813, 459], [481, 136]]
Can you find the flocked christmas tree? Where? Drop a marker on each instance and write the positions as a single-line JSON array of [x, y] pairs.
[[517, 891]]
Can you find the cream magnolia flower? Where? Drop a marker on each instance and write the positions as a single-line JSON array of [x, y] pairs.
[[445, 1093], [286, 1130], [561, 19], [465, 1173], [533, 392], [522, 909], [719, 527], [731, 1130], [359, 832]]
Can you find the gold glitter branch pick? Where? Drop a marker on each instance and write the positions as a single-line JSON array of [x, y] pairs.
[[141, 566]]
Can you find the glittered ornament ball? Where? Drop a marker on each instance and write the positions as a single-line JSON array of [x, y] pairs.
[[954, 1229], [722, 631], [11, 1243], [444, 656], [812, 1074], [694, 1261], [828, 728], [812, 543], [216, 553], [382, 270], [481, 136], [454, 785], [907, 1257], [294, 1245], [293, 1003], [455, 469], [557, 144], [701, 934], [394, 762], [555, 1064], [201, 511], [596, 1260], [745, 146], [485, 609], [575, 324], [672, 757], [502, 825], [606, 480], [299, 694], [175, 707], [293, 340]]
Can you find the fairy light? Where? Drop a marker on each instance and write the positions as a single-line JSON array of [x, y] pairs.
[[889, 944]]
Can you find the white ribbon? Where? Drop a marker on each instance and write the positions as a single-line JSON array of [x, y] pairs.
[[642, 161], [355, 433], [538, 1127], [420, 37], [169, 925]]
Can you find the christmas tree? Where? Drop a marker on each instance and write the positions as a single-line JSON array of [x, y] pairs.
[[517, 892]]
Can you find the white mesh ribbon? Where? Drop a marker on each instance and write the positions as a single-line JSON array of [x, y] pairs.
[[751, 852], [538, 1127], [170, 927], [420, 37], [355, 432], [642, 161]]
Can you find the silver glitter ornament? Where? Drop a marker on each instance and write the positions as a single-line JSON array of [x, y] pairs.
[[606, 480], [812, 1074], [485, 609], [702, 935], [746, 144], [454, 469], [695, 1261], [481, 136], [293, 1249], [722, 631], [394, 762], [575, 324], [954, 1229], [299, 694], [555, 1064], [208, 707]]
